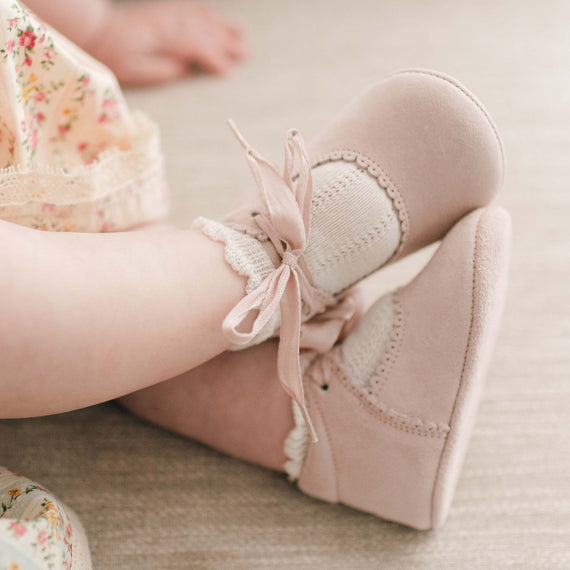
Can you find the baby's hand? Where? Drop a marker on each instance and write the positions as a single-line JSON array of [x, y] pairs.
[[155, 42]]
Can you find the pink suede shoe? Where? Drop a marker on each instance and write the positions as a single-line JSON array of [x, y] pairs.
[[395, 403], [396, 169], [429, 142]]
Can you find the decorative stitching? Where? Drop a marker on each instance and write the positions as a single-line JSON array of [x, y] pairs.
[[380, 377], [389, 416], [349, 178], [384, 182], [363, 242]]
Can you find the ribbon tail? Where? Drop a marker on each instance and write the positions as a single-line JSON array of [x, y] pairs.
[[288, 366], [295, 151]]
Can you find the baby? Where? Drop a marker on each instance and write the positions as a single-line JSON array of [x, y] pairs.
[[372, 410]]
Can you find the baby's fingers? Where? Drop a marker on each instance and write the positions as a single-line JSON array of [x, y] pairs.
[[150, 70], [196, 34], [213, 59], [235, 46]]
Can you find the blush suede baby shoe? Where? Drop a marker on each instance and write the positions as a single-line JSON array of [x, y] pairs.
[[391, 173], [394, 404]]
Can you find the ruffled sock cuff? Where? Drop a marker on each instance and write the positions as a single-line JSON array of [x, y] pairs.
[[297, 442], [248, 258]]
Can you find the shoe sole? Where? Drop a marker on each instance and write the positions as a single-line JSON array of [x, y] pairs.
[[490, 272]]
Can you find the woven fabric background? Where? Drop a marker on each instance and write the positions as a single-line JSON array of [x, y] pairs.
[[152, 500]]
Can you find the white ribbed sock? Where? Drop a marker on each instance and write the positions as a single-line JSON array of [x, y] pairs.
[[354, 226], [354, 230], [362, 351]]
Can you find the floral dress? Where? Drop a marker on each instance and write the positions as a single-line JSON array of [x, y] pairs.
[[36, 531], [73, 157]]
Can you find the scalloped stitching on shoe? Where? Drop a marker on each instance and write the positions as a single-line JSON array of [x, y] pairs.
[[389, 416], [380, 377]]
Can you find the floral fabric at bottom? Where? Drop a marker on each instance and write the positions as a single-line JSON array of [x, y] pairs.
[[36, 532]]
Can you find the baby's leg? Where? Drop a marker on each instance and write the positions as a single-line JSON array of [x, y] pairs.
[[90, 317], [233, 403]]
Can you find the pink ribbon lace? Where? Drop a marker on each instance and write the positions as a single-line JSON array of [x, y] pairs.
[[325, 329], [285, 220]]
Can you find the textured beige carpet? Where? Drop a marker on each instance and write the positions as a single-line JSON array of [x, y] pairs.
[[151, 500]]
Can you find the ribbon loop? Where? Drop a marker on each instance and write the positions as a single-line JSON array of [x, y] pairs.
[[325, 329]]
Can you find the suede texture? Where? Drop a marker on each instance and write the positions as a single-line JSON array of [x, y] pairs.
[[491, 264], [437, 300], [406, 470], [434, 143]]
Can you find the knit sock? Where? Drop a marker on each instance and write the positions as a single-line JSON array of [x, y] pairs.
[[361, 353], [354, 230]]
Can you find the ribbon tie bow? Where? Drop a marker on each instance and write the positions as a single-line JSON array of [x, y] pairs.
[[285, 221]]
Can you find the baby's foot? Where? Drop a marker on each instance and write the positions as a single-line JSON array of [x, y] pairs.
[[392, 173], [395, 403], [155, 42]]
